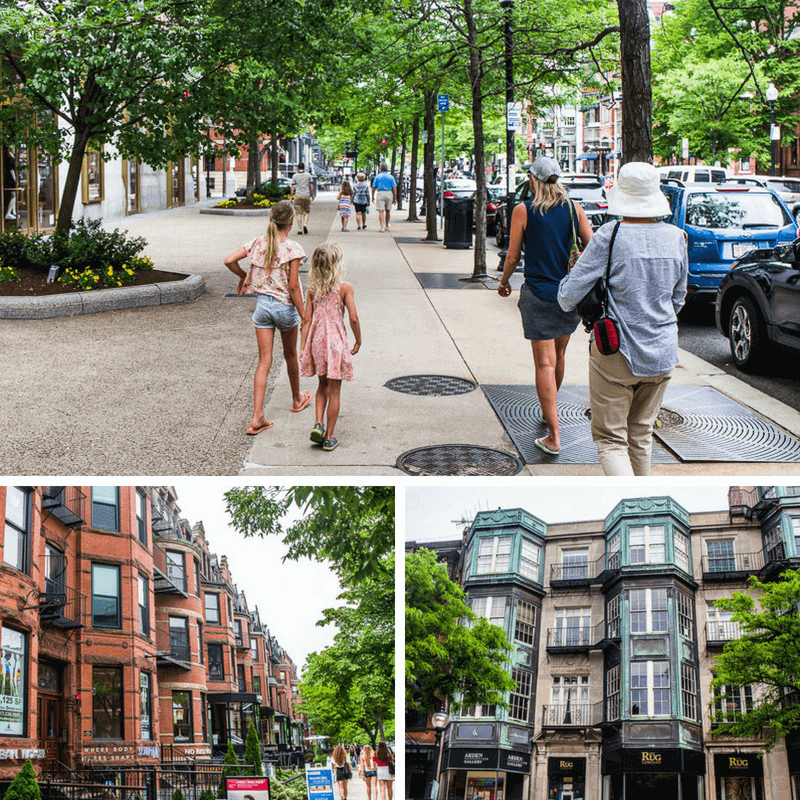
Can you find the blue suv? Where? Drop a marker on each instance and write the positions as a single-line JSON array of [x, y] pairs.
[[723, 222]]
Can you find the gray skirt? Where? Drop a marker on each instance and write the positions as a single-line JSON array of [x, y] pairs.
[[542, 320]]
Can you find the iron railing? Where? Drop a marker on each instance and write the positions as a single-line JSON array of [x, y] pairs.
[[724, 565], [582, 637], [173, 644], [170, 577], [571, 715], [725, 631], [58, 602], [67, 503]]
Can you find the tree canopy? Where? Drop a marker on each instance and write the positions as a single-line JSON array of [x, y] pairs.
[[452, 655], [766, 657]]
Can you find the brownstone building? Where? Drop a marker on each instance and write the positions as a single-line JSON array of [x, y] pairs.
[[123, 639]]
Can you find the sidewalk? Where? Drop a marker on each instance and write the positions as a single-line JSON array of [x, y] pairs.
[[168, 390]]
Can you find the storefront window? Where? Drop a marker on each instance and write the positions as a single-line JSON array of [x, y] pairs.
[[92, 177], [144, 705], [567, 778], [14, 682], [182, 716], [107, 702]]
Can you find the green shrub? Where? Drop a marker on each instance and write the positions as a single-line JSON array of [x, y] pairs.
[[207, 794], [281, 787], [252, 750], [8, 274], [178, 795], [230, 760], [24, 786], [274, 191]]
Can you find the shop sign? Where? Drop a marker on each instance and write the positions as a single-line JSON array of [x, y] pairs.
[[566, 765], [512, 761], [729, 765], [319, 781], [474, 731], [6, 755], [12, 688], [150, 752], [119, 753], [472, 759], [252, 788], [518, 735]]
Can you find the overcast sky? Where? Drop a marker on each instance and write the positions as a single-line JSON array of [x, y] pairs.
[[431, 512], [290, 595]]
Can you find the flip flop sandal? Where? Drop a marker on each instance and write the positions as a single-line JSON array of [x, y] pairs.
[[304, 402], [255, 431]]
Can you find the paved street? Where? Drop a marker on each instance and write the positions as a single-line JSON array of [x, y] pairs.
[[167, 390]]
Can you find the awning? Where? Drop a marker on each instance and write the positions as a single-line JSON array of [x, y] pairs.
[[218, 698], [587, 156]]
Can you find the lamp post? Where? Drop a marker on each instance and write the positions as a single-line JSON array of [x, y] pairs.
[[508, 38], [772, 96], [440, 720]]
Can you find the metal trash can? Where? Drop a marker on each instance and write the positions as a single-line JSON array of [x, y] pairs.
[[458, 214]]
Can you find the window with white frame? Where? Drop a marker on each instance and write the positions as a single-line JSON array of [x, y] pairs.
[[689, 692], [721, 626], [467, 562], [648, 610], [796, 534], [575, 564], [649, 688], [569, 698], [731, 702], [612, 693], [685, 615], [494, 554], [681, 551], [529, 560], [612, 618], [520, 699], [525, 626], [646, 544], [492, 608], [613, 552], [573, 627], [773, 543], [721, 556]]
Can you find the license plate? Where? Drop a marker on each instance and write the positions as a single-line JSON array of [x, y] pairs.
[[740, 249]]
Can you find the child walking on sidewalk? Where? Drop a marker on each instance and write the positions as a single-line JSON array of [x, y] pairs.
[[345, 198], [324, 348], [274, 277]]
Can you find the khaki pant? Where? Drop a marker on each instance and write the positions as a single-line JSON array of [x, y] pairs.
[[624, 410]]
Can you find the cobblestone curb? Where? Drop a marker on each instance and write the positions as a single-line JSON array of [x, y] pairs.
[[237, 212], [74, 303]]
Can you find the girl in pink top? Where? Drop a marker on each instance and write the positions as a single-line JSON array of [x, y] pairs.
[[324, 350], [274, 276]]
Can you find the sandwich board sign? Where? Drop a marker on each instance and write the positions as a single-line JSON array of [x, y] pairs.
[[319, 781], [247, 788]]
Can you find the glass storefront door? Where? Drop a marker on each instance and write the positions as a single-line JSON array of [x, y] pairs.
[[737, 789], [484, 786]]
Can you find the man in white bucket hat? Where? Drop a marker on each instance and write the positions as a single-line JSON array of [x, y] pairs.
[[647, 288]]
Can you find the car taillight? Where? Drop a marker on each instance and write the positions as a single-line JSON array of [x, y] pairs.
[[449, 194], [491, 207], [602, 205]]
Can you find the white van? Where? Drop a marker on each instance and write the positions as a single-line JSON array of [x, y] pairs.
[[694, 174]]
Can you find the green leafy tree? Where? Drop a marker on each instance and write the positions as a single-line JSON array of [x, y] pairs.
[[451, 654], [230, 767], [766, 657], [252, 750], [24, 785]]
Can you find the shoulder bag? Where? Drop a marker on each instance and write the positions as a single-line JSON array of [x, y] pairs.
[[593, 310], [574, 253]]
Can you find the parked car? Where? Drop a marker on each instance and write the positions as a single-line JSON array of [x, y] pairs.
[[723, 222], [458, 187], [699, 174], [494, 196], [788, 189], [283, 183], [758, 304]]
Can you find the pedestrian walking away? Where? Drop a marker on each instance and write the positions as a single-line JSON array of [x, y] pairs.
[[324, 346], [274, 276], [385, 764], [646, 289], [302, 192], [548, 224], [345, 198], [341, 765], [368, 770], [361, 200], [384, 195]]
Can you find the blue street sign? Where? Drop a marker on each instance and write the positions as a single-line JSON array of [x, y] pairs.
[[444, 102]]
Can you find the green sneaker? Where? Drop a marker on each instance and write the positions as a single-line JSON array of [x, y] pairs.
[[317, 434], [330, 444]]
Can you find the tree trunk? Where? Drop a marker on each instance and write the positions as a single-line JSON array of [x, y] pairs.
[[476, 83], [637, 100], [273, 141], [70, 193], [253, 165], [429, 154], [412, 193], [401, 176]]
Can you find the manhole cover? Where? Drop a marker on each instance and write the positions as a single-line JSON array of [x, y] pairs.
[[458, 459], [430, 385], [667, 418]]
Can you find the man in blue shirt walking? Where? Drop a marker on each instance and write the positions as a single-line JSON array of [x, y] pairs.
[[384, 195]]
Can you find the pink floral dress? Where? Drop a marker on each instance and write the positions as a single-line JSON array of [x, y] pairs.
[[327, 352]]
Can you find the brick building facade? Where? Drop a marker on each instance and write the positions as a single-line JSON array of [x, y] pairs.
[[124, 640], [614, 634]]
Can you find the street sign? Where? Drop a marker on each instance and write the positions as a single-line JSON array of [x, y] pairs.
[[775, 133], [443, 101], [514, 112], [685, 145]]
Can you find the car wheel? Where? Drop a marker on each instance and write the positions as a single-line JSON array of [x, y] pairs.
[[746, 335], [499, 233]]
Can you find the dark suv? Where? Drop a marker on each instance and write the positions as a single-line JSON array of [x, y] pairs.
[[758, 304]]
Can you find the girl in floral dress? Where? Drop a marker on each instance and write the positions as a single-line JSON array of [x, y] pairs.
[[324, 350], [274, 278], [345, 198]]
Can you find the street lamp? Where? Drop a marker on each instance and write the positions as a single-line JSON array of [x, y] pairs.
[[508, 38], [772, 96], [440, 720]]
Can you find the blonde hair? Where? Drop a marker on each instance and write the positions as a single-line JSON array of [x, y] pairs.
[[281, 216], [547, 195], [327, 269], [367, 754]]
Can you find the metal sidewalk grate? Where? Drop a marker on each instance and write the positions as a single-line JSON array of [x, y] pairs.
[[700, 424], [412, 240], [449, 280], [458, 459], [519, 411], [430, 385]]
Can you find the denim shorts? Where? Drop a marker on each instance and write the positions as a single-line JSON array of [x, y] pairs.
[[271, 313]]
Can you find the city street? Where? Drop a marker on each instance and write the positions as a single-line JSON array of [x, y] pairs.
[[168, 390]]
